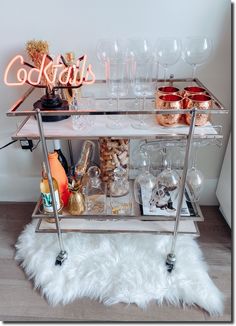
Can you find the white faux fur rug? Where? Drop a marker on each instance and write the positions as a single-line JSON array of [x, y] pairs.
[[116, 268]]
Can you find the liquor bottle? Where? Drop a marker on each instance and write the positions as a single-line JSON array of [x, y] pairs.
[[86, 156], [61, 157], [71, 94], [46, 195], [59, 174]]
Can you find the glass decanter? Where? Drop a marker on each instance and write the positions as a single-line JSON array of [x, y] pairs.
[[120, 185], [95, 192]]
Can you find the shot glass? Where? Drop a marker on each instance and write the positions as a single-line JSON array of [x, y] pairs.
[[121, 205]]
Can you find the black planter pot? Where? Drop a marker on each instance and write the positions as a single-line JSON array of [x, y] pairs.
[[52, 103]]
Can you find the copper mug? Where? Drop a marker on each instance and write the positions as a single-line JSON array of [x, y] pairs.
[[165, 90], [200, 102], [169, 102], [189, 91]]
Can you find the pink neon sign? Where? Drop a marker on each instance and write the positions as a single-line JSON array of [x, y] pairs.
[[52, 71]]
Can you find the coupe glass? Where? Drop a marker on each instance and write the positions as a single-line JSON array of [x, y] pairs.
[[196, 51], [168, 52]]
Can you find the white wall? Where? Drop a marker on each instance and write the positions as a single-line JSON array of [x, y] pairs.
[[77, 25]]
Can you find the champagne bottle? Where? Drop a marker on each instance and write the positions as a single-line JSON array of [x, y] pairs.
[[71, 94], [46, 195], [61, 157]]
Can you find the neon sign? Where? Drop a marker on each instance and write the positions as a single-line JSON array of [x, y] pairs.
[[51, 71]]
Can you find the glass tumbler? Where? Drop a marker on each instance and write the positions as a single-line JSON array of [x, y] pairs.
[[82, 122]]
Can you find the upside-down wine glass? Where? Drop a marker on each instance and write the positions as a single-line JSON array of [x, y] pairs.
[[145, 181], [196, 51], [166, 187], [168, 52], [195, 178]]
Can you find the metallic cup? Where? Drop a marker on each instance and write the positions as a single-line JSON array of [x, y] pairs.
[[200, 102], [169, 102], [165, 90], [189, 91]]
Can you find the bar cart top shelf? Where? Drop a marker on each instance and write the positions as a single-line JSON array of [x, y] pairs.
[[99, 90], [100, 120]]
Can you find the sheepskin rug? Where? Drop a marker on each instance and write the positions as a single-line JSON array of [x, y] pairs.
[[114, 268]]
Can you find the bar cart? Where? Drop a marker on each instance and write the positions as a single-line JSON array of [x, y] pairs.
[[32, 128]]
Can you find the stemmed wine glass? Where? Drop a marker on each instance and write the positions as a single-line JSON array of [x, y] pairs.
[[168, 52], [113, 54], [166, 187], [196, 51], [145, 181], [143, 70], [195, 178]]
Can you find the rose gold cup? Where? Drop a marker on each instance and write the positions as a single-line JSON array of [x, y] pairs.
[[165, 90], [169, 102], [189, 91], [200, 102]]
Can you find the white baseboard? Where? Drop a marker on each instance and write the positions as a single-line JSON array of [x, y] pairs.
[[208, 196]]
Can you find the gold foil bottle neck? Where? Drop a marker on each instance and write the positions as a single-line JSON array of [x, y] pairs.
[[85, 158], [70, 56]]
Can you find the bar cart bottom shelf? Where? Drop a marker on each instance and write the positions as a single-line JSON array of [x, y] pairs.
[[112, 226]]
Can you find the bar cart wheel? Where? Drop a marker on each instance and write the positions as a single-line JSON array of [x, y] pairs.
[[61, 257]]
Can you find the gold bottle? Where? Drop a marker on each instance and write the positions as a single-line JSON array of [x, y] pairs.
[[71, 93], [46, 195], [85, 158]]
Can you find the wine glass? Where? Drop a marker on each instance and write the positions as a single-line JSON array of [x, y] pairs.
[[143, 70], [156, 157], [166, 187], [168, 52], [196, 51], [195, 178], [117, 82], [145, 181], [113, 54], [111, 49]]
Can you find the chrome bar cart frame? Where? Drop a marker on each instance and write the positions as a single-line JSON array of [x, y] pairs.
[[15, 111]]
